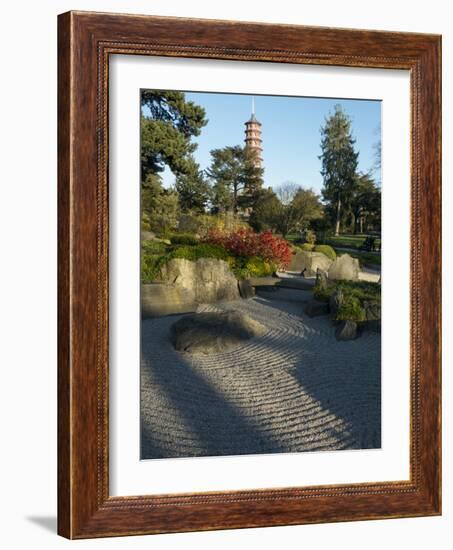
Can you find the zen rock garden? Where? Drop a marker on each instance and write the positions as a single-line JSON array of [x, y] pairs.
[[260, 297], [241, 354], [352, 305]]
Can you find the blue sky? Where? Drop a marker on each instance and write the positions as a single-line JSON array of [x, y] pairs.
[[290, 132]]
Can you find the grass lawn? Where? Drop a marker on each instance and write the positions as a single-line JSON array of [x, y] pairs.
[[348, 241], [366, 259]]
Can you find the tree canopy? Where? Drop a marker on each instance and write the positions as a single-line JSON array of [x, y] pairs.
[[339, 164], [168, 122], [291, 208], [236, 178]]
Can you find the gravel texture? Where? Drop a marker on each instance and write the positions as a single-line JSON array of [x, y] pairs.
[[293, 389]]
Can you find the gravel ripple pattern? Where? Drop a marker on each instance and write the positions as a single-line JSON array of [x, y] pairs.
[[293, 389]]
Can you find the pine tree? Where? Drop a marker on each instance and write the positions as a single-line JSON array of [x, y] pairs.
[[339, 164], [167, 125], [236, 177]]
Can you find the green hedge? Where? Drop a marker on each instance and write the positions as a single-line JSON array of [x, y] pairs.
[[326, 250], [184, 238], [308, 247], [257, 267], [156, 254], [194, 253]]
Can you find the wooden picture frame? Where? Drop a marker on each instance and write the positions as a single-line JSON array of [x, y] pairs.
[[85, 41]]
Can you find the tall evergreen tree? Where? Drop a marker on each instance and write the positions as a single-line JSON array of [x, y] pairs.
[[236, 177], [168, 122], [339, 164], [167, 125]]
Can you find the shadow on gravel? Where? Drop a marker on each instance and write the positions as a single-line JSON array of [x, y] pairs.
[[343, 377], [219, 427]]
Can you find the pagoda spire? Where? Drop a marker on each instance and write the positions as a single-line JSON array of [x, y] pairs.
[[253, 139]]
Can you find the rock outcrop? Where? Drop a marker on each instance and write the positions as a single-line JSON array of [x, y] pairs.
[[309, 262], [344, 268], [213, 332], [346, 330], [209, 280], [246, 289]]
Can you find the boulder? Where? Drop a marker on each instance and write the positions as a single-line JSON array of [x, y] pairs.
[[344, 268], [314, 308], [148, 236], [346, 330], [213, 332], [309, 262], [322, 282], [372, 311], [246, 289], [209, 280], [159, 299]]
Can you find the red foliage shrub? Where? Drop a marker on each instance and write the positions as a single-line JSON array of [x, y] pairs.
[[247, 243]]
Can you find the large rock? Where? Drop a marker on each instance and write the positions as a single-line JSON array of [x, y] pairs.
[[213, 332], [346, 330], [246, 289], [372, 311], [322, 281], [309, 262], [148, 236], [159, 299], [209, 280], [344, 268]]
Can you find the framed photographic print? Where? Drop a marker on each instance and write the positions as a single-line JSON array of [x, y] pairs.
[[249, 275]]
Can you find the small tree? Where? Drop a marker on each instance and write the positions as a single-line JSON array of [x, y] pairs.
[[266, 212], [236, 178], [299, 207], [366, 203], [339, 163]]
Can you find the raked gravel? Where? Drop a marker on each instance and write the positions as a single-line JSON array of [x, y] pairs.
[[293, 389]]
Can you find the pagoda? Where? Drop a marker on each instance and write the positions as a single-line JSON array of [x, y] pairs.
[[253, 139]]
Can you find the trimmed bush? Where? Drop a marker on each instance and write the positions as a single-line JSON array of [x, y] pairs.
[[184, 238], [202, 250], [308, 247], [257, 267], [350, 310], [247, 243], [326, 250]]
